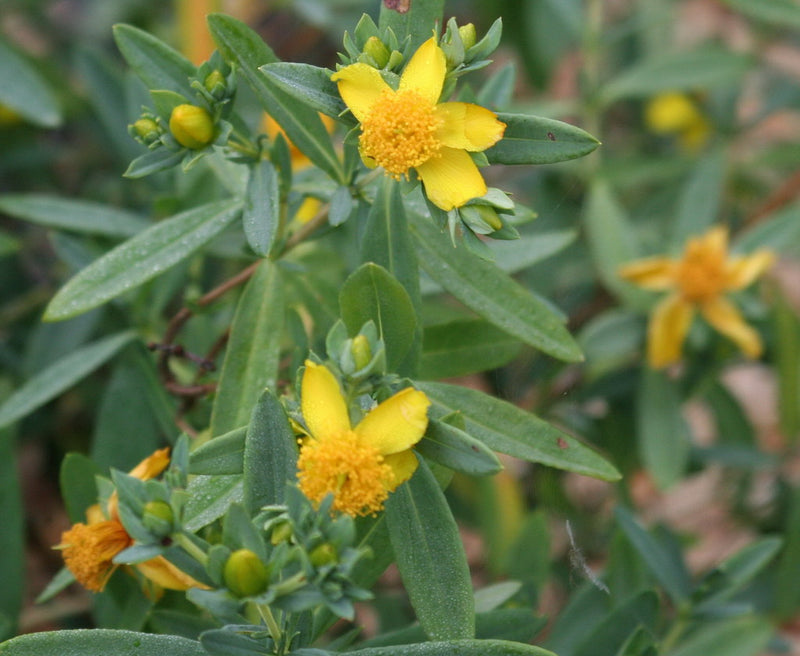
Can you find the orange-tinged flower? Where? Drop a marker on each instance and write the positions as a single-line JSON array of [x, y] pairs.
[[89, 549], [358, 465], [698, 280], [409, 128]]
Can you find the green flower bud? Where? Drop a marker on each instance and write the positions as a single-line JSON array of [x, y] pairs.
[[158, 517], [375, 48], [489, 215], [324, 554], [216, 84], [191, 126], [244, 574], [281, 533], [146, 128], [362, 354], [468, 35]]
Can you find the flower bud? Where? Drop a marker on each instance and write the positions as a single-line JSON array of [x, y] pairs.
[[191, 126], [376, 49], [158, 517], [468, 35], [362, 353], [244, 574], [146, 130], [216, 84], [324, 554], [281, 533]]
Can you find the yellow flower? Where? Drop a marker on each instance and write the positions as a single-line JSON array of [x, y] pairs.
[[675, 113], [298, 159], [89, 549], [698, 281], [360, 466], [409, 128]]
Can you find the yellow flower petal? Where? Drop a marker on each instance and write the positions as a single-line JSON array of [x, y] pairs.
[[162, 572], [741, 271], [152, 465], [403, 465], [396, 424], [656, 273], [360, 86], [425, 72], [724, 316], [322, 404], [715, 241], [468, 126], [667, 330], [451, 179]]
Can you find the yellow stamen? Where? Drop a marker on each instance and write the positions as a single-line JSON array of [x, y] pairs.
[[354, 473], [88, 551], [400, 132], [701, 274]]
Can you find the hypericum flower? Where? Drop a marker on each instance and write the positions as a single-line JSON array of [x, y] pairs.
[[409, 128], [359, 466], [88, 549], [676, 113], [698, 281]]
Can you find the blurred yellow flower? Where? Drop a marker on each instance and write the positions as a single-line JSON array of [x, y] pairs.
[[409, 128], [675, 113], [698, 280], [298, 158], [359, 466], [89, 549]]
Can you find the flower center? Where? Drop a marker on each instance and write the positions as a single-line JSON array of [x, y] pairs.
[[701, 274], [88, 550], [354, 473], [400, 132]]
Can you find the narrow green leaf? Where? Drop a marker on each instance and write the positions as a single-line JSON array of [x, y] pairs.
[[465, 346], [8, 245], [12, 537], [70, 214], [610, 340], [491, 293], [787, 357], [253, 352], [415, 20], [270, 455], [780, 234], [538, 140], [243, 47], [780, 13], [700, 199], [99, 642], [740, 636], [262, 207], [508, 429], [662, 433], [220, 456], [787, 592], [154, 161], [371, 293], [209, 499], [455, 648], [60, 376], [25, 92], [77, 483], [158, 65], [454, 448], [671, 575], [680, 71], [622, 622], [431, 558], [141, 258], [307, 83], [733, 424]]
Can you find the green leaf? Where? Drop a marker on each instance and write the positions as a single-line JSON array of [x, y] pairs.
[[25, 92], [310, 84], [69, 214], [700, 199], [8, 245], [508, 429], [158, 65], [612, 243], [78, 486], [464, 347], [431, 558], [154, 161], [262, 207], [622, 622], [253, 352], [60, 376], [538, 140], [453, 448], [141, 258], [780, 13], [456, 648], [787, 592], [741, 636], [662, 433], [491, 293], [99, 642], [270, 455], [680, 71], [220, 456], [371, 293], [209, 499], [610, 340], [243, 47], [414, 20], [12, 537], [787, 357], [670, 574], [780, 234]]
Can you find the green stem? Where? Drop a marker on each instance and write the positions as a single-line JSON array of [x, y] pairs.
[[676, 631], [272, 624], [191, 548]]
